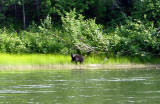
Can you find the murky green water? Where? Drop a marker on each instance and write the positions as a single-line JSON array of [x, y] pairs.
[[80, 87]]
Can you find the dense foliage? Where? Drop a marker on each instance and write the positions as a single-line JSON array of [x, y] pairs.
[[83, 26]]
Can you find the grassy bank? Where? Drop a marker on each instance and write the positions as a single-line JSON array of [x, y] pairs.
[[57, 59], [33, 59], [64, 61]]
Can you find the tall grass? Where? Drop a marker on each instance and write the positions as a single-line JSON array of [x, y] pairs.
[[57, 59], [33, 59], [113, 60]]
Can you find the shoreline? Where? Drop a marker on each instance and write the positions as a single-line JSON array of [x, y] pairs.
[[85, 66]]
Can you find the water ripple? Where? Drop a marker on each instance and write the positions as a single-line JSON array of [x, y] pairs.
[[34, 86]]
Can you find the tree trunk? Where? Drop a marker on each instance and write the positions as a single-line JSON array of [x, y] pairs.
[[115, 4], [38, 13], [24, 18], [15, 8]]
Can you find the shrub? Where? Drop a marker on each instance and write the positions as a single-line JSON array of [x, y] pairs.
[[134, 39], [148, 10], [84, 35], [11, 43]]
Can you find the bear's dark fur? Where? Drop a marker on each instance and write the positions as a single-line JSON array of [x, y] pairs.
[[77, 58]]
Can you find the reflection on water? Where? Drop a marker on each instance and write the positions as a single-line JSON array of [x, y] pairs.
[[80, 86]]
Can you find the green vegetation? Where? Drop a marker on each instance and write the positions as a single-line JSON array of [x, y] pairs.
[[33, 59], [127, 29], [50, 59]]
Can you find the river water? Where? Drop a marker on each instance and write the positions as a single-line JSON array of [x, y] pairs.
[[116, 86]]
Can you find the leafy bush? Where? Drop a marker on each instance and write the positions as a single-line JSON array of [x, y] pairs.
[[148, 10], [11, 43], [42, 39], [134, 39], [40, 43], [83, 35]]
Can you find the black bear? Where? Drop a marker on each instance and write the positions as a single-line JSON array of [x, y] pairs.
[[77, 58]]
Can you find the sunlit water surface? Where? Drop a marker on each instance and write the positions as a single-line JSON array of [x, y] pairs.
[[80, 86]]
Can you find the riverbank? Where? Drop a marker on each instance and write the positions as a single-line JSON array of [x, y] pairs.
[[89, 66], [57, 61]]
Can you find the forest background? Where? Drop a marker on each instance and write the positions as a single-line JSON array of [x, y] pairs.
[[121, 27]]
